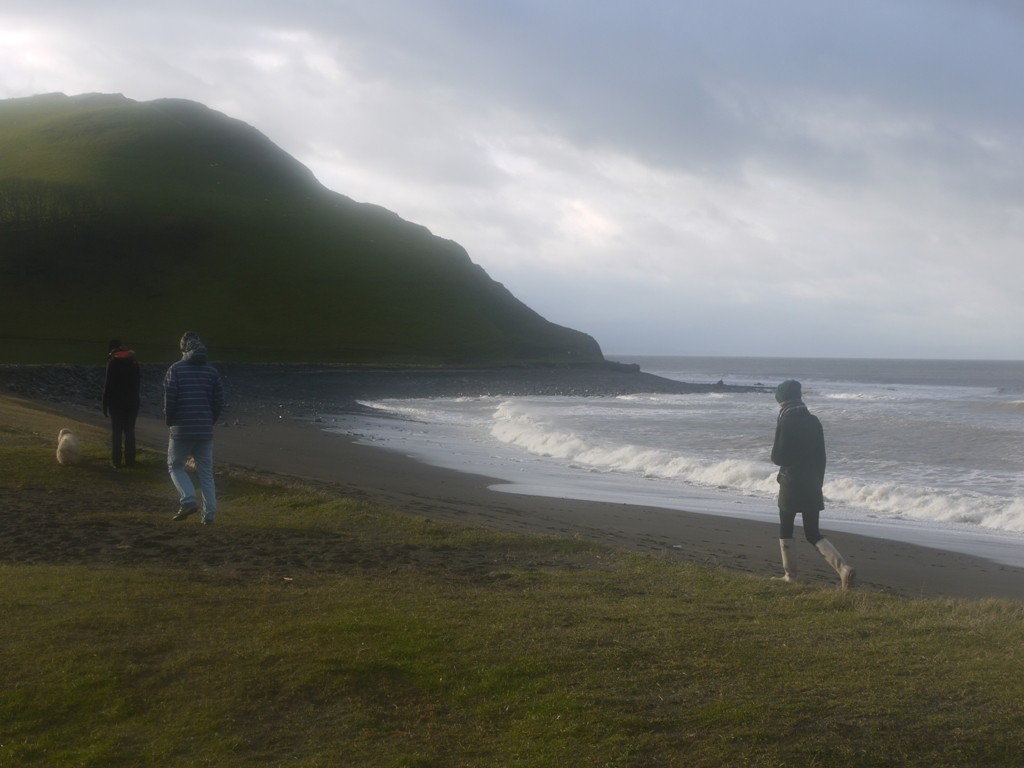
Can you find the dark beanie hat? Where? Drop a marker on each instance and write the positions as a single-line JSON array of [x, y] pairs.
[[787, 390]]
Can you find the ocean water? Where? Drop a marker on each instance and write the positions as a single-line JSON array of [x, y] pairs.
[[923, 451]]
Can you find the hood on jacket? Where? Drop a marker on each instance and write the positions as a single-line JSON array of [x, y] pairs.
[[194, 351], [187, 337], [117, 351]]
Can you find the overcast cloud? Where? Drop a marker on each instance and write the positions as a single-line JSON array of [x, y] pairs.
[[796, 177]]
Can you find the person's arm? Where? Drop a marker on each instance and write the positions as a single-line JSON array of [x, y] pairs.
[[170, 397], [820, 452], [107, 384], [782, 447]]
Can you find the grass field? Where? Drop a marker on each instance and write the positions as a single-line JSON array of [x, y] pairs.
[[307, 629]]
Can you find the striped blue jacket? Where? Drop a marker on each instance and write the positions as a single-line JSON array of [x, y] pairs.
[[193, 395]]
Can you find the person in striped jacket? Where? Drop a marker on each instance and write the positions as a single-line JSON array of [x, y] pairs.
[[193, 403]]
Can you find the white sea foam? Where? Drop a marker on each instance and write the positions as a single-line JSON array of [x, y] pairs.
[[896, 501], [516, 424], [938, 445]]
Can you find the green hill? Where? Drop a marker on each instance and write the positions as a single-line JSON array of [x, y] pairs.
[[144, 219]]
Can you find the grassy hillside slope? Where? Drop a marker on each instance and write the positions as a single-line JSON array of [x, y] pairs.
[[144, 219]]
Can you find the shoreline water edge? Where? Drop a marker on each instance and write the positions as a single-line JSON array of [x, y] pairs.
[[925, 452], [277, 424]]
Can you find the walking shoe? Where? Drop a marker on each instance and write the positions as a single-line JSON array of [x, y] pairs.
[[185, 512], [207, 521]]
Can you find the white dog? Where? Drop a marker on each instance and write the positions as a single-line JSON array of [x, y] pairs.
[[68, 451]]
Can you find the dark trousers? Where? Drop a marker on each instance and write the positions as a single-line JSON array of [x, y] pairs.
[[810, 518], [122, 433]]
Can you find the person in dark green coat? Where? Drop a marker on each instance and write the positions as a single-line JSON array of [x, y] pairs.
[[799, 451]]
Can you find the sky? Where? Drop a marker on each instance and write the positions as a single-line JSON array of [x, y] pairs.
[[810, 178]]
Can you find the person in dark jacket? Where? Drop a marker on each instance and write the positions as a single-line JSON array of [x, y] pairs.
[[193, 402], [121, 402], [799, 451]]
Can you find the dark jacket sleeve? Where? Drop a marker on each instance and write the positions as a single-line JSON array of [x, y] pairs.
[[781, 451], [108, 387]]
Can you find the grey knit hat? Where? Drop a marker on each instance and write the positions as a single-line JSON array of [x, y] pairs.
[[787, 391]]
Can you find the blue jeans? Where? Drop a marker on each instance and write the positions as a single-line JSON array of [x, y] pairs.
[[178, 451]]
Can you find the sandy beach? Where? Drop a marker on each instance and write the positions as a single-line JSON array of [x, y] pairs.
[[272, 429]]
